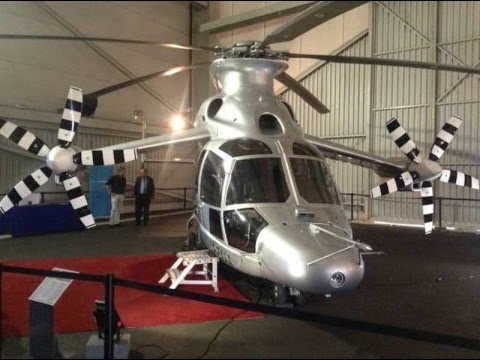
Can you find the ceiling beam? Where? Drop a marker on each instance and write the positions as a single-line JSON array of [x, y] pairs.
[[11, 113], [279, 9]]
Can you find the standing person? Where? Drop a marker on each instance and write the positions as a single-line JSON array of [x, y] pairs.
[[116, 188], [144, 193]]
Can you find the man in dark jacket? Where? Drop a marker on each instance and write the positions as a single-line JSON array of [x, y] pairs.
[[144, 193], [116, 188]]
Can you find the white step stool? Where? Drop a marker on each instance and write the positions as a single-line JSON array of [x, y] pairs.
[[190, 259]]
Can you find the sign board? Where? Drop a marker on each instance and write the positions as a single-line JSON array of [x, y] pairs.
[[50, 289]]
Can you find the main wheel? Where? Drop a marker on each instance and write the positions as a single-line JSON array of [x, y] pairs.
[[300, 299], [280, 294]]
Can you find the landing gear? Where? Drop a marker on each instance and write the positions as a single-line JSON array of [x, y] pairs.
[[301, 299], [284, 296], [193, 241], [280, 295]]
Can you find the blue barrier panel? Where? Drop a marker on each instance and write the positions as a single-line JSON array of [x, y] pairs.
[[40, 219], [99, 198]]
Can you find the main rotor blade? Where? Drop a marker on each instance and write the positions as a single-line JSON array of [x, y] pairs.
[[403, 140], [385, 62], [444, 137], [77, 199], [460, 179], [427, 205], [301, 91], [24, 188], [100, 39], [23, 138], [313, 16], [72, 113], [122, 85], [393, 185], [104, 157]]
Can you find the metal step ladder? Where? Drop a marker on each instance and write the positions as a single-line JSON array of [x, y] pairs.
[[189, 260]]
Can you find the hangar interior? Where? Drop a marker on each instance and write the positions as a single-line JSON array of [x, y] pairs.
[[361, 98], [416, 274]]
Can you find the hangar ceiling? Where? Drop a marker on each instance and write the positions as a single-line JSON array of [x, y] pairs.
[[35, 75]]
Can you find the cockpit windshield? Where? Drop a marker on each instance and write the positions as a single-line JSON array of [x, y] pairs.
[[314, 182], [257, 180]]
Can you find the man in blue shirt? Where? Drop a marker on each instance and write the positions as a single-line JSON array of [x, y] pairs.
[[144, 193], [116, 188]]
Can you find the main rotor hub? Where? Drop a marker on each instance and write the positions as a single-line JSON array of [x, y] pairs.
[[250, 49], [60, 160]]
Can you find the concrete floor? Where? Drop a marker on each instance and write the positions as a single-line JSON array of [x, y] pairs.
[[425, 287]]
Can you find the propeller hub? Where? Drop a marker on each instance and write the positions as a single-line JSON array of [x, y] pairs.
[[60, 160], [427, 170]]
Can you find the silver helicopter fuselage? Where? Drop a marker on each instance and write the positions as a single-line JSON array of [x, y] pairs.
[[264, 200]]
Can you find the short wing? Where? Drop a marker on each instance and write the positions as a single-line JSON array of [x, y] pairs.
[[382, 166], [154, 142]]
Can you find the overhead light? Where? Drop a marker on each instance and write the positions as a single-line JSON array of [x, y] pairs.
[[178, 122], [137, 114]]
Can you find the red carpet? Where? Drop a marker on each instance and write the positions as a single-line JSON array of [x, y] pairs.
[[73, 312]]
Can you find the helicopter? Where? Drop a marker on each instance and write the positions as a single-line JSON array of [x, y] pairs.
[[264, 200]]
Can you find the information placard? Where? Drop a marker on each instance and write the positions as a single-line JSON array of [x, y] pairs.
[[50, 289]]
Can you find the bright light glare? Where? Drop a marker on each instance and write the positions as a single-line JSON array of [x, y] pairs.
[[178, 122]]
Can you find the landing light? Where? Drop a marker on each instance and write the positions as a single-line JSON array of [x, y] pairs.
[[337, 279]]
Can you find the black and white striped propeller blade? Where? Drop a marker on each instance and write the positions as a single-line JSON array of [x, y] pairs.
[[25, 188], [72, 113], [77, 199], [393, 185], [460, 179], [104, 157], [403, 140], [23, 138], [444, 137], [427, 205]]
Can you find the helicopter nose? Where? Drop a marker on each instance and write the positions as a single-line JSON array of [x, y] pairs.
[[319, 264]]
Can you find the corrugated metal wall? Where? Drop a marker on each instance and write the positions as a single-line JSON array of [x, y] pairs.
[[344, 89], [423, 100]]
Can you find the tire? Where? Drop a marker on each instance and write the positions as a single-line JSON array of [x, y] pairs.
[[300, 299], [280, 294]]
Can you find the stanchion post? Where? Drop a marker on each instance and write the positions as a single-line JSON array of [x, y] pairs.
[[1, 308], [108, 350], [184, 198], [439, 212], [351, 206]]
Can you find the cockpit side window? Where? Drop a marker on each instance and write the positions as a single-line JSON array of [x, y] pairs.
[[242, 227], [197, 169], [241, 147], [212, 180], [314, 182], [258, 180]]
